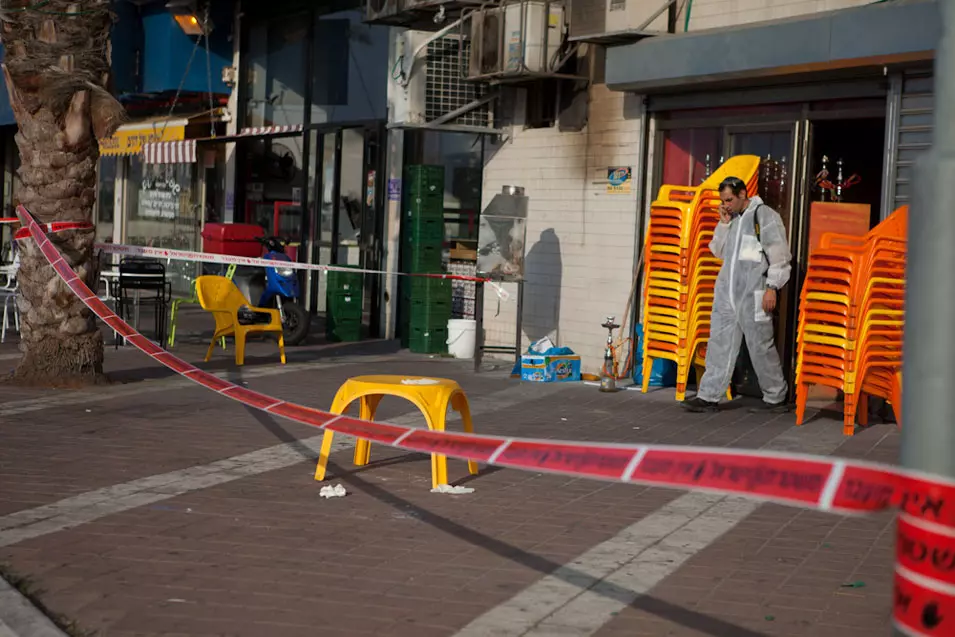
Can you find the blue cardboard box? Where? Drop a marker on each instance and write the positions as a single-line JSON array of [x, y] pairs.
[[545, 368]]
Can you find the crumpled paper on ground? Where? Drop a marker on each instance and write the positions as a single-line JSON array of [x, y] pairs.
[[447, 488], [338, 491]]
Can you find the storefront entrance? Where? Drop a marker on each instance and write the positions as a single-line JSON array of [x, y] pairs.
[[346, 200], [792, 140], [332, 172]]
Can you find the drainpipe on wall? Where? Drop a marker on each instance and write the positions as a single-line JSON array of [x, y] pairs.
[[645, 173], [228, 215], [392, 225]]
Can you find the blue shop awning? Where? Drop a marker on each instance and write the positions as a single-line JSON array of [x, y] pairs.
[[869, 36]]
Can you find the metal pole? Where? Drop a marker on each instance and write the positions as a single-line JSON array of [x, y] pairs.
[[479, 325], [928, 427], [928, 421]]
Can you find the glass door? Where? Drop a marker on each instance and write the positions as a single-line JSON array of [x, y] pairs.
[[777, 145], [345, 208]]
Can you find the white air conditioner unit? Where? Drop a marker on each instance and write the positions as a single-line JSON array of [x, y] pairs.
[[486, 36], [376, 10], [434, 85], [534, 32], [594, 20], [517, 39]]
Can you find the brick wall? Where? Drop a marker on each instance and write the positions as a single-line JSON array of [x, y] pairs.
[[580, 239], [711, 14]]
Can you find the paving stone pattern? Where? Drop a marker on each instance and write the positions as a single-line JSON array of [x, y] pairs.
[[264, 555]]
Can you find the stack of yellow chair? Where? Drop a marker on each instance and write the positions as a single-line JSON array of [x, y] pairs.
[[851, 315], [680, 271]]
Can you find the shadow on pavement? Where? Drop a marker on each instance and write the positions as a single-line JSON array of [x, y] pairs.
[[687, 618], [293, 355]]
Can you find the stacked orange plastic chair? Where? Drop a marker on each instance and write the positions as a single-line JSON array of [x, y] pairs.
[[680, 271], [851, 314]]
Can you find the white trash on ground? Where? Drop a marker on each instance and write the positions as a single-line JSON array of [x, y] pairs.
[[338, 491], [447, 488]]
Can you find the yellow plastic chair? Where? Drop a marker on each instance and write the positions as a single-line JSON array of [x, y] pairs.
[[430, 395], [220, 296], [194, 299]]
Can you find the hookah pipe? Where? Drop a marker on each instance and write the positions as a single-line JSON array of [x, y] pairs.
[[835, 190], [608, 375]]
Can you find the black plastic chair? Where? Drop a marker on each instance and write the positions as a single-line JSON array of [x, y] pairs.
[[143, 282]]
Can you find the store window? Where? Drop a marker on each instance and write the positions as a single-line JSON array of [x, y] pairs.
[[273, 177], [330, 63], [162, 211], [106, 198], [213, 166], [275, 72], [349, 69]]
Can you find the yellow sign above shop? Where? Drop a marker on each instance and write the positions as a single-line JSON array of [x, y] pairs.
[[130, 138]]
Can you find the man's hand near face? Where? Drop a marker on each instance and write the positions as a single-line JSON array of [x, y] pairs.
[[725, 215]]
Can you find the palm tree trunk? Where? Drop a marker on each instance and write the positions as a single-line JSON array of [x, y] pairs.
[[57, 72]]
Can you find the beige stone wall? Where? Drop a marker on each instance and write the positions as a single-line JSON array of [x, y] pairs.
[[580, 239], [712, 14]]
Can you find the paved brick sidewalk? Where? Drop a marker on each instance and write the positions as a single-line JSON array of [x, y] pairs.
[[247, 547]]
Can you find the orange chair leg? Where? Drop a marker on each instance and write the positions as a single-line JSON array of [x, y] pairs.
[[862, 409], [849, 406], [802, 397]]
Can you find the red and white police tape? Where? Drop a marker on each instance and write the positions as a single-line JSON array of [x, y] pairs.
[[924, 602], [228, 259]]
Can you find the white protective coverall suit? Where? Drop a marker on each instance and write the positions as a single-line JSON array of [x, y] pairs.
[[750, 265]]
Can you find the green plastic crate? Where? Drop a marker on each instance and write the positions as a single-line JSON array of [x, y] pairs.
[[421, 258], [423, 179], [423, 230], [430, 340], [341, 281], [428, 312], [428, 322], [424, 208], [341, 329], [344, 306], [431, 287]]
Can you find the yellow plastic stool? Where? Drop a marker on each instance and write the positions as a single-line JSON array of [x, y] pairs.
[[431, 395]]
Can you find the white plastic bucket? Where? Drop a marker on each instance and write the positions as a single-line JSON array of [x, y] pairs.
[[461, 336]]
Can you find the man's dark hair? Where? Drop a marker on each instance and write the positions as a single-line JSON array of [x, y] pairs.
[[736, 185]]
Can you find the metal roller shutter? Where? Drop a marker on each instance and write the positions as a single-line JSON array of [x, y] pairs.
[[914, 130]]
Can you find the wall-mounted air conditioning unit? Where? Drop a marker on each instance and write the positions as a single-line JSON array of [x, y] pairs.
[[603, 20], [486, 35], [434, 87], [382, 10], [518, 39]]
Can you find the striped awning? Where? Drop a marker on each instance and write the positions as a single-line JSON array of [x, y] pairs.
[[129, 139], [181, 152], [255, 131], [270, 130]]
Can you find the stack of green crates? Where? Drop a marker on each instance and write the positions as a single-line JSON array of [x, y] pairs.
[[343, 309], [425, 302]]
